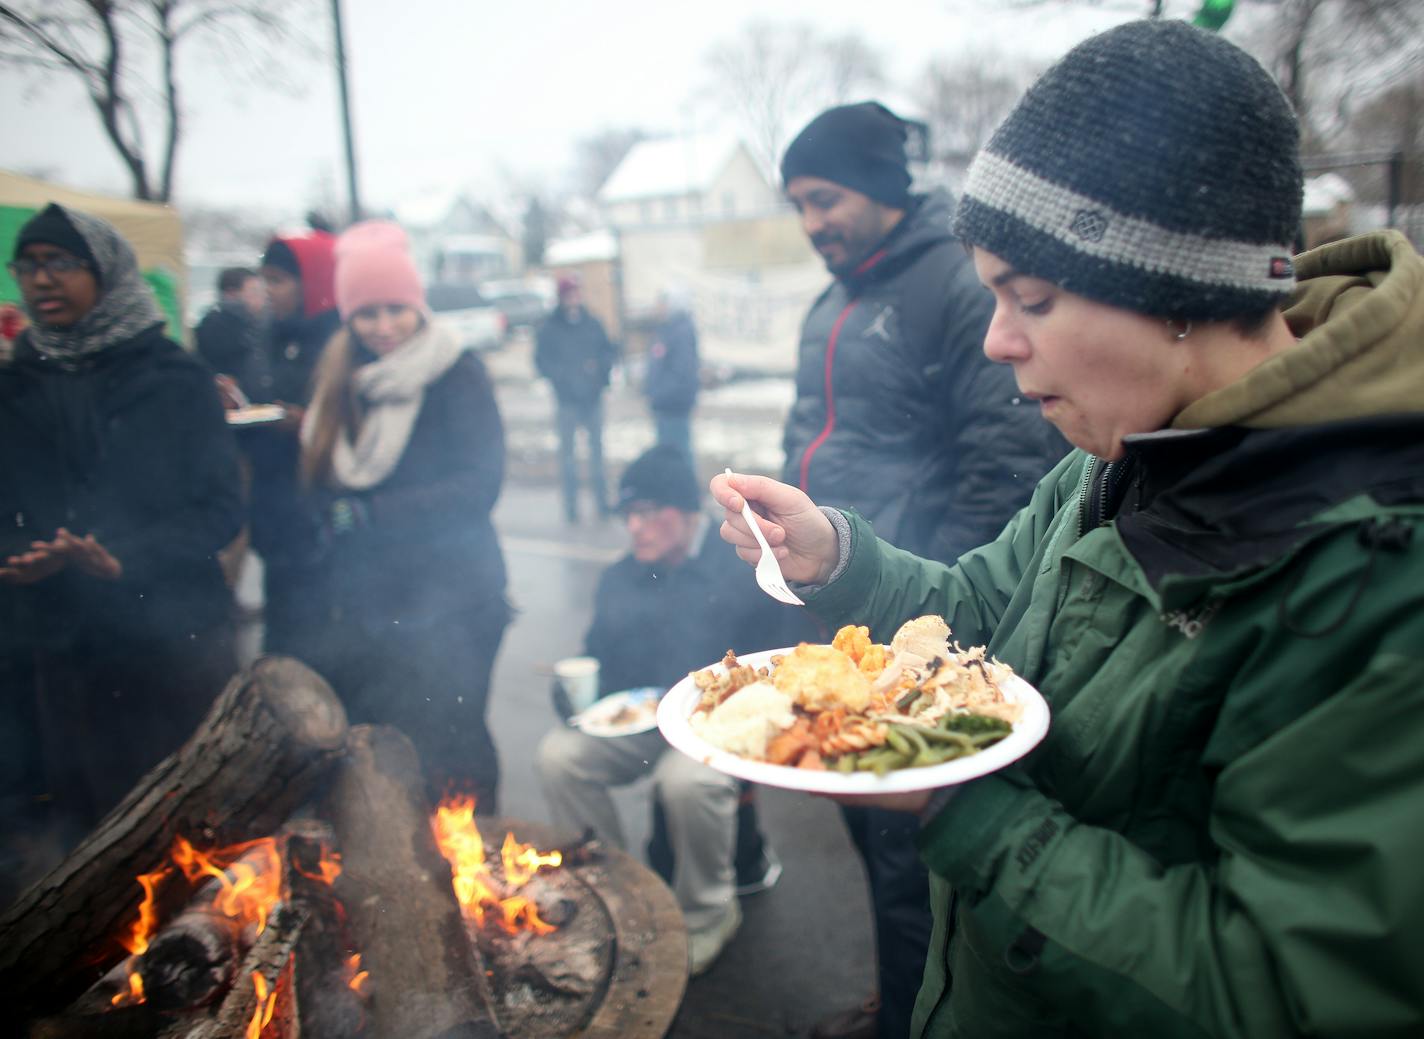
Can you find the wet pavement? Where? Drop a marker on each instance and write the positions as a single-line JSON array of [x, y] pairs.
[[805, 948]]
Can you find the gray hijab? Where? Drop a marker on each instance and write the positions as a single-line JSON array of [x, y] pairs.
[[126, 303]]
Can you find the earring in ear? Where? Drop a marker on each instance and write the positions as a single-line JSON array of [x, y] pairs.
[[1179, 332]]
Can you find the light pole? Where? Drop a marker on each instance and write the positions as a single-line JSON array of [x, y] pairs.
[[352, 187]]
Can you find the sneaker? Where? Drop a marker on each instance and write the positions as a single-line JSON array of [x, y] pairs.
[[761, 876], [704, 948], [860, 1022]]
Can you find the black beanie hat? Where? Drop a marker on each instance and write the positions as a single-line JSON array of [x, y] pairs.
[[1155, 167], [861, 147], [279, 254], [52, 226], [662, 476]]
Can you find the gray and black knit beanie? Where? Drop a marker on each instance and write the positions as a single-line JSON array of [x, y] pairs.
[[860, 146], [1155, 167]]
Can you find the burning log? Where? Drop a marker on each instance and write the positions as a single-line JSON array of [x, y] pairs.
[[396, 888], [252, 1001], [265, 746], [330, 983], [194, 958]]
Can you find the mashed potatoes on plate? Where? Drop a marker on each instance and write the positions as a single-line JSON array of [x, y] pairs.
[[746, 720]]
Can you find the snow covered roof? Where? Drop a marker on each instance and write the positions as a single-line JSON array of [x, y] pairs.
[[596, 245], [1325, 192], [669, 166], [427, 209]]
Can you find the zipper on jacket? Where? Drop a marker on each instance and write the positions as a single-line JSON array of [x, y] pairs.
[[830, 425], [1091, 472]]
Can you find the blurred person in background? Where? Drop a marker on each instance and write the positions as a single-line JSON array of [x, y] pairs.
[[403, 454], [674, 375], [118, 486], [298, 274], [231, 337], [675, 603], [1220, 593], [575, 354], [900, 416]]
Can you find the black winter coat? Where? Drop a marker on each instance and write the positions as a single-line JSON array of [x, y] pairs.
[[282, 530], [426, 547], [233, 343], [898, 413], [673, 373], [575, 356], [653, 625], [133, 449]]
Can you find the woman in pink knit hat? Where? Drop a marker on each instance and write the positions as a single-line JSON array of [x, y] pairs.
[[403, 450]]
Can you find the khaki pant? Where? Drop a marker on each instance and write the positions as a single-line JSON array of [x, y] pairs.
[[576, 771]]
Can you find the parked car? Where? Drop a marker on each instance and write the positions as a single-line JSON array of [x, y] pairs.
[[468, 314], [523, 306]]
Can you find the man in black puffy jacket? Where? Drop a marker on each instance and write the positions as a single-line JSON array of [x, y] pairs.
[[900, 416]]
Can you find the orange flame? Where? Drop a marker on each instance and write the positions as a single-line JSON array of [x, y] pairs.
[[357, 976], [522, 861], [250, 881], [460, 842], [266, 1006], [136, 941], [131, 995], [328, 866]]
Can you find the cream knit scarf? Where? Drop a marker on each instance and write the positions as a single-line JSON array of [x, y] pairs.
[[391, 391]]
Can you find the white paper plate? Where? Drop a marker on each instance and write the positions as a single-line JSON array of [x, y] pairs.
[[256, 415], [680, 700], [602, 718]]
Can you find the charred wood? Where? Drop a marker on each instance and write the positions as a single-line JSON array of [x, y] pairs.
[[263, 749], [269, 958], [193, 958], [427, 981], [330, 1007]]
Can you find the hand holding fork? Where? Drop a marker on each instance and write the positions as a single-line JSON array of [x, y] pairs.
[[791, 539]]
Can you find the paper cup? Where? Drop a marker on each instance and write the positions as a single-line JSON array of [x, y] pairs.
[[579, 678]]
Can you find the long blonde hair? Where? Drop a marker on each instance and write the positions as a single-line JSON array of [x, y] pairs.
[[336, 409]]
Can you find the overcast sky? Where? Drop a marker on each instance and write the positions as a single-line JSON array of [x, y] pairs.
[[449, 93]]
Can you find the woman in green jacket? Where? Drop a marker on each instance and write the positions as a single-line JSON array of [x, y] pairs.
[[1220, 594]]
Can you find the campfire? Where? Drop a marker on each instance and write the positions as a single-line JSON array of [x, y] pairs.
[[283, 875]]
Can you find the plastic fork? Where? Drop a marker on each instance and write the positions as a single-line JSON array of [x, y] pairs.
[[768, 570]]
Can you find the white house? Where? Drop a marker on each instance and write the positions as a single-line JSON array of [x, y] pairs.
[[687, 180], [697, 214]]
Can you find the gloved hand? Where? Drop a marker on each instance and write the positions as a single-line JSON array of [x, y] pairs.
[[345, 515]]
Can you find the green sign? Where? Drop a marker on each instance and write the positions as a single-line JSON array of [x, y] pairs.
[[163, 282], [1213, 14]]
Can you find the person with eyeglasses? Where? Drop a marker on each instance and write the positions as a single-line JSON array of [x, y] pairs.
[[677, 601], [118, 486]]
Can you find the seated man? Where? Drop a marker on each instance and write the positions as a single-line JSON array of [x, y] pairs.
[[676, 602]]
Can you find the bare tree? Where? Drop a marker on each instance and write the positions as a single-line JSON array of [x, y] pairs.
[[964, 98], [774, 75], [1329, 56], [1333, 56], [125, 54]]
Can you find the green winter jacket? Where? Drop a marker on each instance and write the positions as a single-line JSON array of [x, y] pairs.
[[1223, 833]]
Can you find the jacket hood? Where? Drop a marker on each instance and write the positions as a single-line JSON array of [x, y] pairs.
[[315, 253], [1358, 313], [926, 223]]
